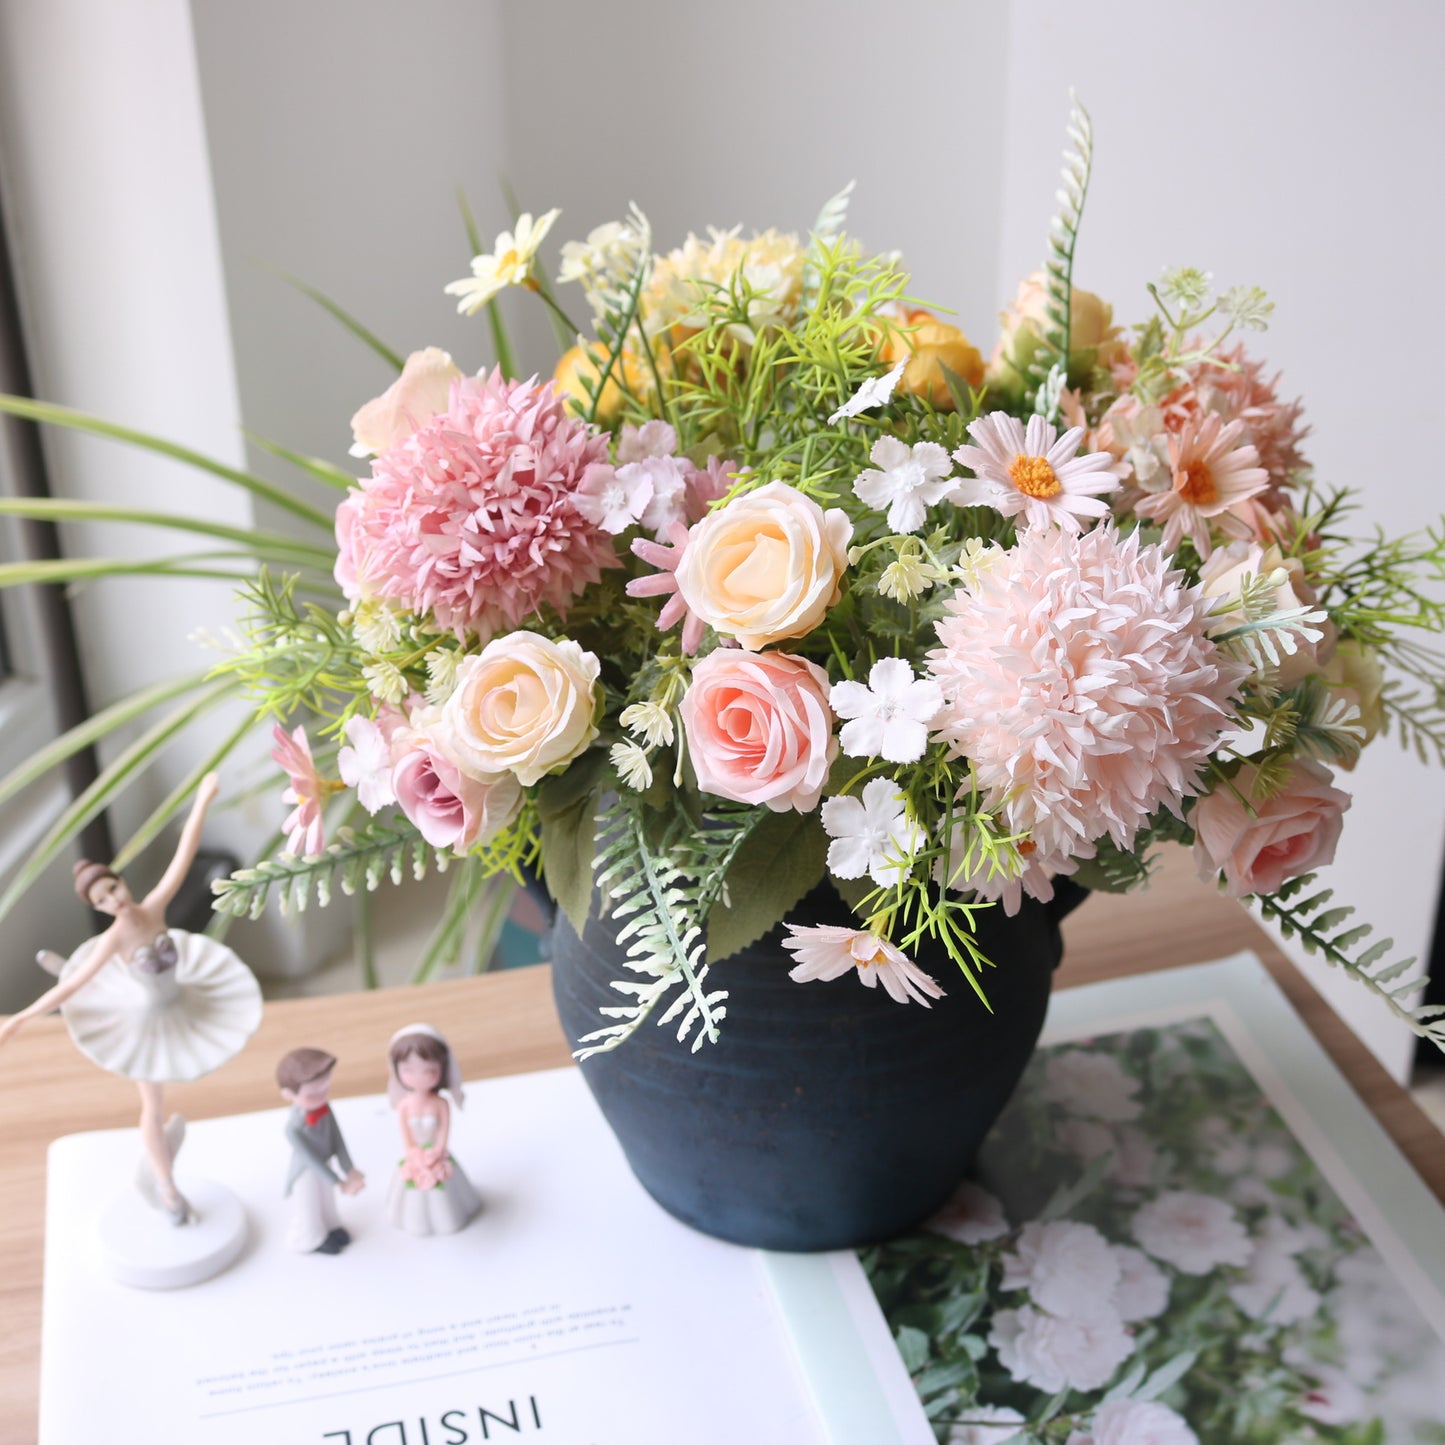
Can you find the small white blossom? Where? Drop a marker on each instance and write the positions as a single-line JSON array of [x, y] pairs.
[[508, 263], [872, 835], [632, 765], [971, 1216], [1143, 1292], [1139, 1422], [650, 721], [889, 717], [1055, 1354], [977, 559], [613, 498], [601, 259], [1193, 1232], [375, 625], [667, 480], [441, 675], [366, 764], [651, 439], [1091, 1085], [385, 682], [908, 576], [905, 481], [874, 392], [1187, 285], [1247, 306], [1274, 1289], [1068, 1268]]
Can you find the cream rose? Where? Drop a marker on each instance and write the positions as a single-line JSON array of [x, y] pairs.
[[759, 729], [1291, 833], [421, 391], [523, 705], [1094, 340], [765, 567], [1224, 573]]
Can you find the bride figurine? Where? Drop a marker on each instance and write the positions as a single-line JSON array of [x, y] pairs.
[[429, 1193], [151, 1003]]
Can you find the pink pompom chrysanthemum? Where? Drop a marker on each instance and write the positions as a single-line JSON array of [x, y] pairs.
[[472, 519], [1079, 680]]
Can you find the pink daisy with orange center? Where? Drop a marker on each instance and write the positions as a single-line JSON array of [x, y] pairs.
[[1033, 473], [826, 952], [1214, 471]]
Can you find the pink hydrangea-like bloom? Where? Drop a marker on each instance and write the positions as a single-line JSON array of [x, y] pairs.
[[1079, 678], [826, 952], [472, 519], [304, 829], [1259, 845], [759, 728]]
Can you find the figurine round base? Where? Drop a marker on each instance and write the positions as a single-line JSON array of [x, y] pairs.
[[139, 1246]]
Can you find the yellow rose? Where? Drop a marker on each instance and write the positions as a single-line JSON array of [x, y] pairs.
[[421, 391], [1355, 671], [523, 705], [931, 345], [765, 567], [1094, 340], [576, 363]]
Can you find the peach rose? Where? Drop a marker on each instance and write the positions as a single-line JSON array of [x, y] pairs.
[[1289, 834], [523, 705], [765, 567], [449, 809], [422, 390], [759, 728], [930, 346], [1224, 573], [1355, 672], [1094, 340]]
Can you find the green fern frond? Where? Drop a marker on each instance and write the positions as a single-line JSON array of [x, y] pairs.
[[1319, 931], [1063, 240], [357, 860], [1416, 719], [828, 227]]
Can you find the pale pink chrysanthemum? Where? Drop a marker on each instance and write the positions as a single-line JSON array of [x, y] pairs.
[[1214, 470], [826, 952], [1079, 679], [664, 581], [305, 833], [472, 520], [1033, 473]]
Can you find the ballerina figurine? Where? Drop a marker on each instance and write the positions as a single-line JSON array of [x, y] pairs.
[[429, 1193], [154, 1004]]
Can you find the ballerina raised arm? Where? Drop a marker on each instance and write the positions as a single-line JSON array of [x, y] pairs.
[[160, 896]]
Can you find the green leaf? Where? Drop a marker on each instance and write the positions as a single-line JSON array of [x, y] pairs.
[[315, 467], [783, 859], [345, 318], [64, 416], [567, 810], [913, 1346]]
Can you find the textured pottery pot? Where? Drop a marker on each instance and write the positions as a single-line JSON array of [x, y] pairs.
[[827, 1116]]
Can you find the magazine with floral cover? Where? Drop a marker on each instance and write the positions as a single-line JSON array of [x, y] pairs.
[[1186, 1228]]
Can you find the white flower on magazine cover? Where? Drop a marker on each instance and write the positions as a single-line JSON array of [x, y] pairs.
[[971, 1216], [1093, 1086], [1334, 1399], [1053, 1354], [1143, 1290], [1192, 1232], [1136, 1422], [1068, 1268], [1274, 1289], [986, 1425]]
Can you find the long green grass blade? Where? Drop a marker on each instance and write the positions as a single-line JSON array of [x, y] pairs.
[[111, 783], [65, 509], [101, 725], [61, 570], [317, 467], [474, 235], [345, 318], [446, 941], [366, 940], [501, 342], [64, 416], [136, 844]]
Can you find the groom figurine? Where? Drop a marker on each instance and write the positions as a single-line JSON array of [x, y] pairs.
[[304, 1077]]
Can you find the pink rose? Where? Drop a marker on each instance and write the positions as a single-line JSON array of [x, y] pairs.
[[418, 394], [1289, 834], [760, 729], [449, 809]]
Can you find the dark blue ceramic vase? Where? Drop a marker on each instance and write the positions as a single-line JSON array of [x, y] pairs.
[[827, 1116]]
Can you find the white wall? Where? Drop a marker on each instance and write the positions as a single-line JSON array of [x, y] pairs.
[[1290, 145]]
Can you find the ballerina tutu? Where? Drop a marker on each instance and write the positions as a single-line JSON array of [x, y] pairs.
[[174, 1012]]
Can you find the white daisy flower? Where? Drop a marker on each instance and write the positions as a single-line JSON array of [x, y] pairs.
[[366, 764], [874, 392], [908, 481], [889, 717], [1033, 474], [508, 263], [605, 254], [826, 952], [872, 834]]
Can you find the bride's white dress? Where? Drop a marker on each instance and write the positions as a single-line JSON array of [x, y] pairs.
[[422, 1206]]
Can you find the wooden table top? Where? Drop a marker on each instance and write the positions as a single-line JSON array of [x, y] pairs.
[[504, 1023]]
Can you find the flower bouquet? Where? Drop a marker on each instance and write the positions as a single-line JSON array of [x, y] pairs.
[[777, 581]]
